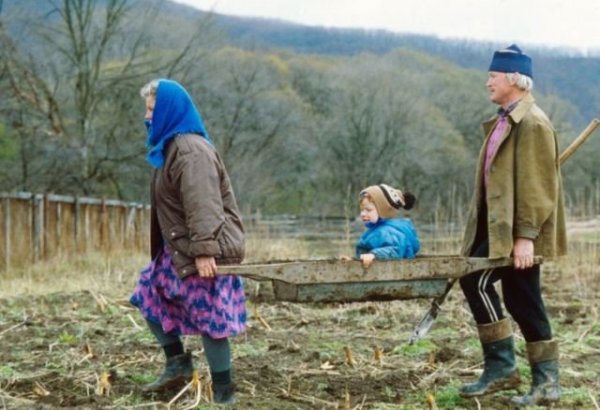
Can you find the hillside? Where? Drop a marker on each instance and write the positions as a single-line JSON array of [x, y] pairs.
[[294, 111], [554, 68], [560, 71]]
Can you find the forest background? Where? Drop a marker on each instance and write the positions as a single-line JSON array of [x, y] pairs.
[[304, 117]]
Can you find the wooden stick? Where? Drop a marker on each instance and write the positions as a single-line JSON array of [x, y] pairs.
[[585, 134], [13, 327], [593, 400], [178, 395]]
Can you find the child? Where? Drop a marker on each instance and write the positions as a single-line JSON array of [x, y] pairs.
[[387, 236]]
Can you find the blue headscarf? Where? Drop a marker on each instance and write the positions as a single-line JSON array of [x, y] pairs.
[[174, 114]]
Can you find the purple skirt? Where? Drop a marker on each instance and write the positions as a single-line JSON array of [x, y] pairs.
[[215, 307]]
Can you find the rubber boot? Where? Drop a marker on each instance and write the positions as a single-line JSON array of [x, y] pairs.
[[178, 370], [545, 384], [224, 393], [499, 370]]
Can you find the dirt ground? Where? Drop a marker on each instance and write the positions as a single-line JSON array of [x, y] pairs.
[[91, 350]]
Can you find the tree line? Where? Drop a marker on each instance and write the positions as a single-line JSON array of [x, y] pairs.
[[300, 133]]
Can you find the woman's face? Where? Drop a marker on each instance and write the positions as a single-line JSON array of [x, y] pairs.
[[150, 101], [368, 212]]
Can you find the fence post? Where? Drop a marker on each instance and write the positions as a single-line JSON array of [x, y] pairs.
[[37, 226], [130, 215], [104, 245], [86, 228], [58, 232], [45, 226], [7, 230], [76, 213]]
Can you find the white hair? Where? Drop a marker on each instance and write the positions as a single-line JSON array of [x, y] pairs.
[[149, 89], [522, 81]]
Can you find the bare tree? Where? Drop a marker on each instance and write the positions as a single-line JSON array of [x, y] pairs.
[[82, 89], [254, 118]]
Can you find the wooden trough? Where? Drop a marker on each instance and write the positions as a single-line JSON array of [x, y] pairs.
[[347, 281]]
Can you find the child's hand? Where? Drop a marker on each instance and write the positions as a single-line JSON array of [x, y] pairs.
[[367, 259]]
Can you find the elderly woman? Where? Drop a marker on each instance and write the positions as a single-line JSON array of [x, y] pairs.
[[195, 225]]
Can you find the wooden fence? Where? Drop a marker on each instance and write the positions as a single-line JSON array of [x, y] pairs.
[[37, 227]]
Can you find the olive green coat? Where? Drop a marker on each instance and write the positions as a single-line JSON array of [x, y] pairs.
[[524, 195]]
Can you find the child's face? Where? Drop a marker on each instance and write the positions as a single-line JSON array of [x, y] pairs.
[[368, 212]]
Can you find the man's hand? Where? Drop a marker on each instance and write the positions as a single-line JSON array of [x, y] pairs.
[[523, 253], [367, 259], [206, 265]]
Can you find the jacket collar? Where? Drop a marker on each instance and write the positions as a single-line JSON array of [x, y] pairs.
[[522, 108]]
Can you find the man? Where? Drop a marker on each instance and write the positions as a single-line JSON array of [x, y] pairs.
[[516, 210]]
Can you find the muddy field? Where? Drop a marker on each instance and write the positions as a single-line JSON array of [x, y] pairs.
[[90, 350]]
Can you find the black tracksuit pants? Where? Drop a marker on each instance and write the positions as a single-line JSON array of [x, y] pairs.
[[520, 289]]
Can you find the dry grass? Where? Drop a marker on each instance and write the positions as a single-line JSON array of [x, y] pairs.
[[108, 273], [117, 271]]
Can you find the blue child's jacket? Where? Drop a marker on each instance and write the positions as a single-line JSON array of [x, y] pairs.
[[389, 239]]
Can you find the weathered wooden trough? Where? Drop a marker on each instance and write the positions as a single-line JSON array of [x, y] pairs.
[[347, 280]]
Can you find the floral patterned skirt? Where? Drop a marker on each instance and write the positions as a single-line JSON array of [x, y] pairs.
[[215, 307]]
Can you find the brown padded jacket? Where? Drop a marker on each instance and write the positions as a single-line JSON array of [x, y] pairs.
[[194, 211]]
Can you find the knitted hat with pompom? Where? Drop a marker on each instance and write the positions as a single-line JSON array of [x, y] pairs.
[[388, 200]]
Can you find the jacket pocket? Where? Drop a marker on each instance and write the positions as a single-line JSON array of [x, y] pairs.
[[178, 241], [231, 239]]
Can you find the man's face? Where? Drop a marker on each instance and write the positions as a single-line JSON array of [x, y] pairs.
[[501, 90]]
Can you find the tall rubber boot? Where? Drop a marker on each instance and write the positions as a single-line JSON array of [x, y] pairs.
[[178, 371], [499, 370], [545, 383], [224, 394]]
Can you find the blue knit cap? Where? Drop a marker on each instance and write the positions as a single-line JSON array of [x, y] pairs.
[[512, 60]]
